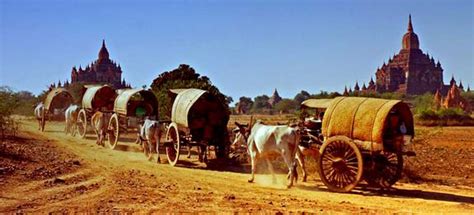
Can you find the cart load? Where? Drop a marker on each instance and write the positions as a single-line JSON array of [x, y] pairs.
[[364, 138], [131, 107], [57, 100], [198, 118], [96, 98]]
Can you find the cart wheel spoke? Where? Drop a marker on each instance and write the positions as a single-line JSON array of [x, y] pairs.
[[172, 137], [82, 123], [113, 131], [340, 164], [386, 169]]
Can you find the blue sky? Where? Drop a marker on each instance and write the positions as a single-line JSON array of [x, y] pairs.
[[245, 47]]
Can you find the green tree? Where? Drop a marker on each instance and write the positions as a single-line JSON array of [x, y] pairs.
[[9, 101], [182, 77], [229, 99], [26, 103], [321, 95], [245, 104], [301, 96], [423, 102], [77, 91], [261, 104], [286, 106]]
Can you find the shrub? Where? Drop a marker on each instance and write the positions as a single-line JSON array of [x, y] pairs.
[[423, 102], [428, 114], [449, 116], [286, 106], [9, 102], [452, 114]]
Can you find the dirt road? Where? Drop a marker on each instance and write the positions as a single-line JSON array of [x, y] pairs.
[[68, 174]]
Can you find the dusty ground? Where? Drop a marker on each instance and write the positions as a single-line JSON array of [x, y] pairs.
[[52, 172]]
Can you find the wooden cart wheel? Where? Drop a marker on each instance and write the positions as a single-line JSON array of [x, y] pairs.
[[340, 164], [43, 119], [82, 123], [384, 169], [172, 149], [113, 131]]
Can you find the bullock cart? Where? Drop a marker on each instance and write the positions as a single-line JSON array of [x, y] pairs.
[[364, 138], [197, 119], [314, 109], [57, 100], [131, 107], [96, 98]]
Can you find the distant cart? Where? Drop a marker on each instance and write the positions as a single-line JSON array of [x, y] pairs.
[[130, 109], [56, 102], [364, 138], [96, 98], [313, 124], [197, 119]]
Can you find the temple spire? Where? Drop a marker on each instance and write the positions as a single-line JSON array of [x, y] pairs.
[[410, 26], [103, 53]]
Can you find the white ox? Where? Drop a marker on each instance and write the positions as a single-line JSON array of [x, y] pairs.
[[263, 140], [150, 133], [71, 119], [38, 113], [99, 122], [240, 143]]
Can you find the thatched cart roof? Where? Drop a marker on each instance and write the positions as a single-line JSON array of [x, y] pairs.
[[97, 97], [316, 103], [364, 119], [184, 101], [192, 106], [58, 98], [124, 106]]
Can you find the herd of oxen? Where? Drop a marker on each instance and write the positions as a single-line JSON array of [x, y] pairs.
[[260, 141]]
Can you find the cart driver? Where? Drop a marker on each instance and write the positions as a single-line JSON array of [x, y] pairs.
[[315, 118], [396, 125], [314, 122], [395, 128]]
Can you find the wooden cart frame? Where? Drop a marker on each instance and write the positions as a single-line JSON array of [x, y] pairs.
[[131, 107], [312, 131], [96, 98], [197, 119], [364, 138], [57, 98]]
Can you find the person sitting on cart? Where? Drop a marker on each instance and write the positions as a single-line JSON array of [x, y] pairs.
[[395, 128], [314, 122]]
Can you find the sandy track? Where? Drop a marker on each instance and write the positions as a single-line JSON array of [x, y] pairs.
[[122, 180]]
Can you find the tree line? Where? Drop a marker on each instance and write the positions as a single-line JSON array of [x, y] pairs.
[[261, 105]]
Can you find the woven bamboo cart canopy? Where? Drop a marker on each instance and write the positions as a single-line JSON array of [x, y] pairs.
[[97, 97], [364, 119], [58, 98], [196, 108], [126, 105], [316, 103]]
